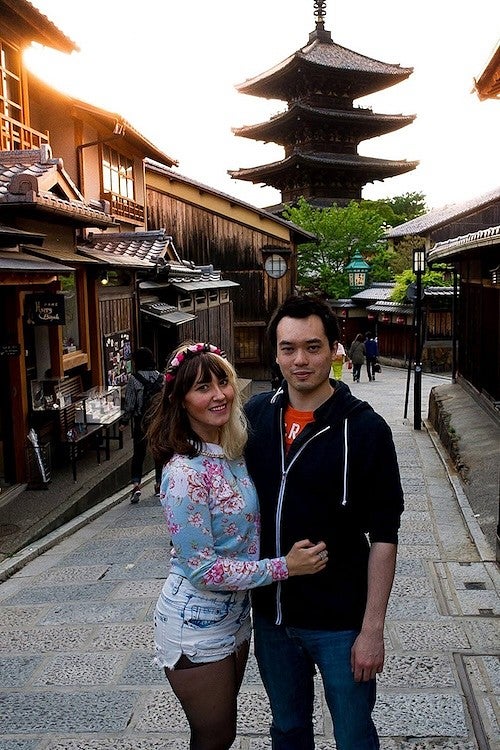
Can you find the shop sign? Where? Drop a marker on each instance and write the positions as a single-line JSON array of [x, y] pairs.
[[45, 309], [10, 350]]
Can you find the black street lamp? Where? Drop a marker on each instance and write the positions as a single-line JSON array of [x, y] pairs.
[[418, 270]]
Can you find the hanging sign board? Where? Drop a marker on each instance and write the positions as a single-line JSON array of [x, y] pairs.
[[44, 309], [10, 350]]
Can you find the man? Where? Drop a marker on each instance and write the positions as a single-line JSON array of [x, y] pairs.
[[371, 349], [325, 468]]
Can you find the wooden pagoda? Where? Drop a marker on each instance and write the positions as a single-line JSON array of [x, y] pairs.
[[321, 128]]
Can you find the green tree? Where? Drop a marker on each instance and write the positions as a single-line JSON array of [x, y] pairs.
[[404, 279], [340, 232]]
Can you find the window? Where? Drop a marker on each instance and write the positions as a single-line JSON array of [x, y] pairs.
[[71, 336], [276, 266], [117, 173]]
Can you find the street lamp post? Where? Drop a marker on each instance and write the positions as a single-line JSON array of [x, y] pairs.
[[418, 270]]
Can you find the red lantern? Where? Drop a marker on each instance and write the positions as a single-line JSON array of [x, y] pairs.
[[385, 318], [400, 319], [371, 316]]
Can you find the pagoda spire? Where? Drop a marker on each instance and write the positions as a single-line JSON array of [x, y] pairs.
[[319, 32]]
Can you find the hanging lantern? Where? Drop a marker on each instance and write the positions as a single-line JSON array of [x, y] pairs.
[[357, 271]]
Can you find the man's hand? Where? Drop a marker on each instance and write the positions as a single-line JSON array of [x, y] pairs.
[[367, 656], [367, 653]]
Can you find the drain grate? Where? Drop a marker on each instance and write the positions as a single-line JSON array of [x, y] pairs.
[[6, 529], [475, 585]]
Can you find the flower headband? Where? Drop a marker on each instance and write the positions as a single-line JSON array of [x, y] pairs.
[[188, 351]]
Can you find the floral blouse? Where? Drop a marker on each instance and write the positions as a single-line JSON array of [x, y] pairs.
[[213, 518]]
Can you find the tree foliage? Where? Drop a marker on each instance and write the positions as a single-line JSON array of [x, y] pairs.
[[404, 279], [341, 231]]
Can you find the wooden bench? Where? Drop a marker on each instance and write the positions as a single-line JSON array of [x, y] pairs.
[[75, 435]]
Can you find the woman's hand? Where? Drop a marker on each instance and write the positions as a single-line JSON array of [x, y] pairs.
[[305, 558]]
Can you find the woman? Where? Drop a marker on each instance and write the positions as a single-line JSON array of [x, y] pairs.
[[357, 357], [202, 618], [338, 359]]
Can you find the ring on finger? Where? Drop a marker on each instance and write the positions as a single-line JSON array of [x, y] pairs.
[[322, 554]]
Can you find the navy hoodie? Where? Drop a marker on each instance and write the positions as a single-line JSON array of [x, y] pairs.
[[339, 483]]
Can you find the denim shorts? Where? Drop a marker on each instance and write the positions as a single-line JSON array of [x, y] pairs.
[[205, 626]]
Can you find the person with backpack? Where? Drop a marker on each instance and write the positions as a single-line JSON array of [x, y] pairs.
[[142, 387]]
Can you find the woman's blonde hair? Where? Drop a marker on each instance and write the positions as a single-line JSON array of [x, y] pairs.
[[169, 430]]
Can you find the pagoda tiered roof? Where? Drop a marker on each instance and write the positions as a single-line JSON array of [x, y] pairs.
[[335, 66], [321, 129], [361, 124]]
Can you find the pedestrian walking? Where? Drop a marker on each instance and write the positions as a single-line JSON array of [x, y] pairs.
[[357, 356], [141, 387], [322, 445], [339, 357], [202, 618], [371, 349]]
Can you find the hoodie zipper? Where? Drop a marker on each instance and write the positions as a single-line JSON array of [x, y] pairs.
[[281, 496]]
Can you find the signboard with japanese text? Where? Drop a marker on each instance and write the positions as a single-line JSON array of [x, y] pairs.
[[44, 309]]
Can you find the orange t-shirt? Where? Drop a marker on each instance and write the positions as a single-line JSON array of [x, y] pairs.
[[295, 421]]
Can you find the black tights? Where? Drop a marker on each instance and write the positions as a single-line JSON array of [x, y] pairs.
[[208, 694]]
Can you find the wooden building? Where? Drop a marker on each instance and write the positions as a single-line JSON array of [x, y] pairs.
[[255, 249], [321, 128]]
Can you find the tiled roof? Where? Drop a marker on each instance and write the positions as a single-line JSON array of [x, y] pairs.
[[449, 248], [377, 291], [439, 216], [134, 249], [22, 263], [392, 307], [30, 177]]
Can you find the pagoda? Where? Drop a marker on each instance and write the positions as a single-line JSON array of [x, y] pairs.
[[321, 128]]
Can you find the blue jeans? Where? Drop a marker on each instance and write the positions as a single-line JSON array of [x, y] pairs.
[[287, 657]]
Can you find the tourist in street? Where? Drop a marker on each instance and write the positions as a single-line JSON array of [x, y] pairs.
[[202, 619], [142, 385], [357, 356], [339, 357], [371, 349], [328, 471]]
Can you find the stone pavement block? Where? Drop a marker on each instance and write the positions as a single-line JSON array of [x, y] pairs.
[[420, 715], [81, 669], [86, 612], [433, 743], [43, 640], [413, 608], [105, 711], [118, 637], [62, 593], [83, 574], [139, 569], [406, 566], [140, 670], [419, 552], [19, 744], [140, 589], [482, 691], [120, 741], [417, 671], [14, 617], [161, 712], [15, 671], [430, 636]]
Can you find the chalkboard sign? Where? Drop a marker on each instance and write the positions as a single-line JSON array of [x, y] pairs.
[[117, 357]]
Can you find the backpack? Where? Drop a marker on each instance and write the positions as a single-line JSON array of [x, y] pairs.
[[150, 388]]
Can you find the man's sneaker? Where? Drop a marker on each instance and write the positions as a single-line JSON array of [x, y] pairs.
[[135, 495], [157, 490]]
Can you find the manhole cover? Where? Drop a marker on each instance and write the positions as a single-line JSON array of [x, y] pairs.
[[6, 529]]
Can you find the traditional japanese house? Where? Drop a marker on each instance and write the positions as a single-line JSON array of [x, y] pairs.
[[321, 128], [255, 249]]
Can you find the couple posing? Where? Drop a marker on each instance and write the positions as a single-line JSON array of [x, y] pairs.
[[300, 512]]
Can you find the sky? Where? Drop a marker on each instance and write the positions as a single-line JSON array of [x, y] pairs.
[[171, 70]]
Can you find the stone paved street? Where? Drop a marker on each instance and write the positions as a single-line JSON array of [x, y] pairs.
[[76, 634]]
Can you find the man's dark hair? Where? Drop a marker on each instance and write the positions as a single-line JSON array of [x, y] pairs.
[[302, 306], [144, 359]]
